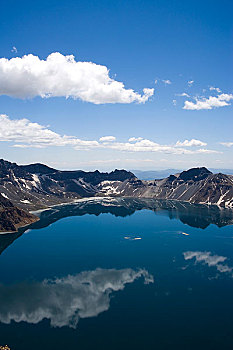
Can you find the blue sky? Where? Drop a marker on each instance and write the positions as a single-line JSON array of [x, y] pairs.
[[160, 45]]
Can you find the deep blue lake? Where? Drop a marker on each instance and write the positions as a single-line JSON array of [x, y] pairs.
[[119, 274]]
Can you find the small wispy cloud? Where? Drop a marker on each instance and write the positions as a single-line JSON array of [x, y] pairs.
[[227, 144], [212, 88], [183, 94], [191, 143], [134, 139], [14, 49], [107, 139], [166, 81], [190, 83], [209, 103], [174, 102]]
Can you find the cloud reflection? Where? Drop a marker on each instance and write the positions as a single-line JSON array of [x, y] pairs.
[[209, 259], [66, 300]]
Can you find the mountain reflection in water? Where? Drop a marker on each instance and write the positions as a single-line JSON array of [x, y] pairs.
[[194, 215]]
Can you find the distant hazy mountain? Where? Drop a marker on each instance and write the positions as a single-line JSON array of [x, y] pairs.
[[223, 171], [37, 186], [160, 174], [154, 174]]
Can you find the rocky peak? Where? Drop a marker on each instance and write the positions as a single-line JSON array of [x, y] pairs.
[[5, 165], [194, 174], [38, 168], [120, 175], [171, 178]]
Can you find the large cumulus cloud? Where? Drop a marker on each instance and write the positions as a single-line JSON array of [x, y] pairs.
[[61, 75]]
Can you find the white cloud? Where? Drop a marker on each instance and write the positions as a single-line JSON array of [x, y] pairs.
[[107, 139], [156, 81], [215, 89], [145, 145], [24, 134], [167, 81], [209, 103], [174, 102], [61, 75], [64, 301], [190, 143], [210, 259], [184, 94], [14, 49], [27, 134], [28, 146], [134, 139], [207, 151], [190, 82], [227, 144]]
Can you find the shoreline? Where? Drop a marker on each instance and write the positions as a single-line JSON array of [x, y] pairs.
[[86, 199]]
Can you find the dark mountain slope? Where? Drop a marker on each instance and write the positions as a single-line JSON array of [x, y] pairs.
[[37, 186], [11, 217]]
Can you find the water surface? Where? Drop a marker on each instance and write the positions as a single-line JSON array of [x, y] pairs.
[[119, 274]]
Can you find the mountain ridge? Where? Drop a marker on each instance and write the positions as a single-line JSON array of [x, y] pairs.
[[37, 186]]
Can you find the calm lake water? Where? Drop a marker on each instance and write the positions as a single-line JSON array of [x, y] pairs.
[[119, 274]]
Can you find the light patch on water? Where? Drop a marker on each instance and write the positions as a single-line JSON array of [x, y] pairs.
[[64, 301]]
